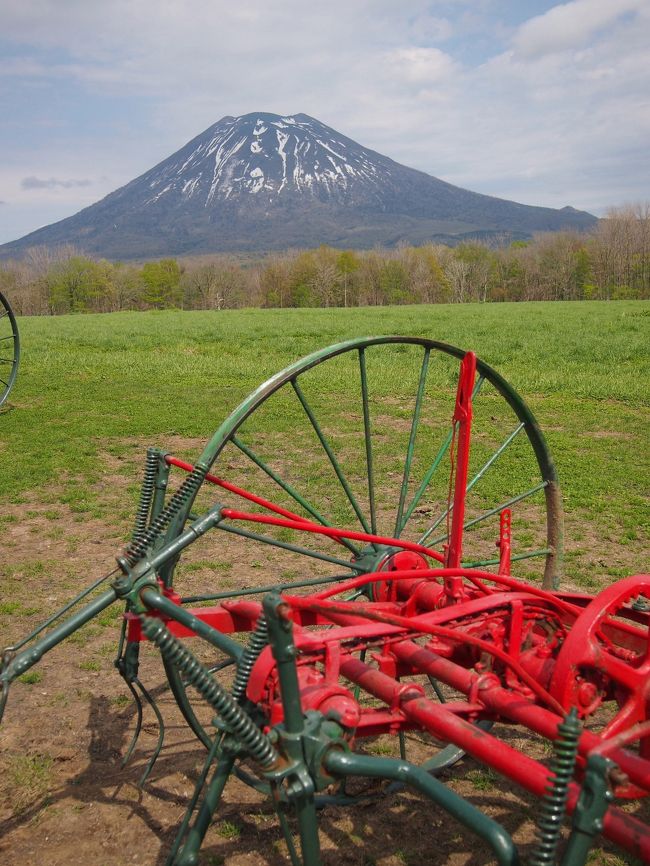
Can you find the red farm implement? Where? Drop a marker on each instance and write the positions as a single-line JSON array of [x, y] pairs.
[[415, 548]]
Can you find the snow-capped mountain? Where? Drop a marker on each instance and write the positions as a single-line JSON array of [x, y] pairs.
[[265, 181], [266, 155]]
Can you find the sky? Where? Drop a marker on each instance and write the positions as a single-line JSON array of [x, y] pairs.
[[539, 102]]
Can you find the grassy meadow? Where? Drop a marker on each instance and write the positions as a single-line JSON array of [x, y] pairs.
[[94, 390]]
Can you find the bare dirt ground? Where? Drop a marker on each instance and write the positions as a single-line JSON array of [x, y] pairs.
[[64, 796]]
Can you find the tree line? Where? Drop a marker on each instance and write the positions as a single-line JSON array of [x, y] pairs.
[[610, 263]]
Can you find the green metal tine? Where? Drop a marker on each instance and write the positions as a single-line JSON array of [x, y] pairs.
[[411, 446], [495, 510], [436, 462], [332, 457], [198, 788], [138, 724], [476, 478], [161, 733], [368, 441], [237, 442], [286, 832], [194, 838]]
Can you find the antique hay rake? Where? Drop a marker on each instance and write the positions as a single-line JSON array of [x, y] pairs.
[[408, 622]]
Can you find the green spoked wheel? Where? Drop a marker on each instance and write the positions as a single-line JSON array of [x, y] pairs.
[[359, 437], [9, 348]]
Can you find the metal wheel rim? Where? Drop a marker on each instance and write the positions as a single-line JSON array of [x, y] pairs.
[[224, 434], [12, 341], [233, 423]]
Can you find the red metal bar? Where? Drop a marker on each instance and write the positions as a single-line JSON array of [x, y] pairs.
[[331, 532], [558, 600], [421, 625], [505, 541], [509, 705], [462, 421], [228, 618], [239, 491], [620, 827], [224, 620]]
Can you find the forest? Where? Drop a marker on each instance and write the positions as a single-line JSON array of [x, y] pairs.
[[612, 262]]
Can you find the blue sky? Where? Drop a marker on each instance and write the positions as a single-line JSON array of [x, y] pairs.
[[539, 102]]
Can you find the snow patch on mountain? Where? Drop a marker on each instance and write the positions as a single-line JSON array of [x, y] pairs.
[[239, 156]]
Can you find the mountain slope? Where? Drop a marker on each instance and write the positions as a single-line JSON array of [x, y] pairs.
[[262, 181]]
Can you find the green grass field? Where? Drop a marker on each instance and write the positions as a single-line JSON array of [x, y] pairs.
[[99, 387]]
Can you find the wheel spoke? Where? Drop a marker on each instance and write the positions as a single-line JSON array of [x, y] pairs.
[[368, 441], [529, 554], [285, 545], [411, 446], [476, 478], [496, 454], [332, 457], [236, 441], [259, 590], [493, 511], [436, 462]]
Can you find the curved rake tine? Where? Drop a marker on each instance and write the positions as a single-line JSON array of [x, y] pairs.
[[211, 800], [4, 694], [286, 832], [161, 735], [198, 788], [138, 724]]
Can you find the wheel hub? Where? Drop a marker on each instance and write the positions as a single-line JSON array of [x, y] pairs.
[[384, 558]]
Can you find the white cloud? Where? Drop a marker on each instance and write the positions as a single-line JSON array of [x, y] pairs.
[[32, 182], [570, 25], [558, 113], [424, 67]]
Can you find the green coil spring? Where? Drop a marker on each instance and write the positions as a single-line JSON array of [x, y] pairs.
[[138, 546], [258, 640], [554, 802], [256, 743], [146, 494]]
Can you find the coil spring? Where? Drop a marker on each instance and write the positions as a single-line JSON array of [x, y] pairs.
[[242, 726], [258, 640], [554, 801], [138, 546], [146, 494]]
